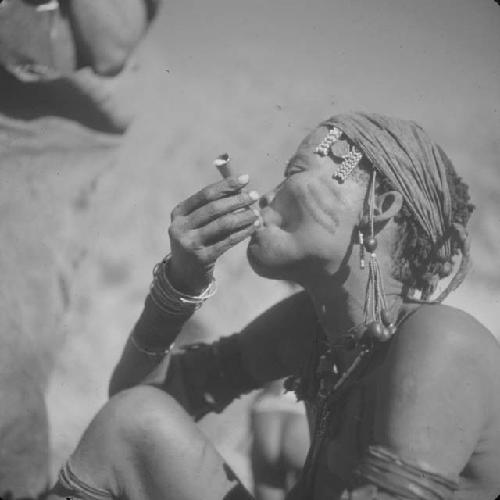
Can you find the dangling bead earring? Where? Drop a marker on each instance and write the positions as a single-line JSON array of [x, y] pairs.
[[379, 325], [361, 249]]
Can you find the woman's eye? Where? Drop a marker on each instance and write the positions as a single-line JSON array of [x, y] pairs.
[[293, 171]]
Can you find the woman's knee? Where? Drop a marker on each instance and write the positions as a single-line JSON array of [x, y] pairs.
[[125, 427], [137, 414], [24, 443], [145, 429]]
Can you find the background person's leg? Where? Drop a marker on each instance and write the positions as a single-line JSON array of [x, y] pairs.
[[295, 442], [143, 445], [280, 441], [267, 468]]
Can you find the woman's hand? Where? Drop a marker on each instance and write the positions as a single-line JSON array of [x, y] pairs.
[[206, 225]]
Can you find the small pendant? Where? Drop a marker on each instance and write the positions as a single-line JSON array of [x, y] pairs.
[[324, 365], [386, 317]]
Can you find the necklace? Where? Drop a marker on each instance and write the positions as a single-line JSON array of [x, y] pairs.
[[336, 386], [333, 386]]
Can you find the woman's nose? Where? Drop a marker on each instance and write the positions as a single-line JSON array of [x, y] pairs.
[[266, 199]]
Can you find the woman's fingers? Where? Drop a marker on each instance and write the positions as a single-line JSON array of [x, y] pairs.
[[219, 208], [206, 225], [218, 190], [195, 252], [217, 249], [222, 227]]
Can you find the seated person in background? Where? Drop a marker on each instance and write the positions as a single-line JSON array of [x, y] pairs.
[[60, 57], [401, 390], [56, 59], [280, 440]]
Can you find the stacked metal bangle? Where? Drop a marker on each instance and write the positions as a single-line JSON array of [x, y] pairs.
[[170, 301]]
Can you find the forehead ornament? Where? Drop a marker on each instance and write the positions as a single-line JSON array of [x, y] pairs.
[[336, 145]]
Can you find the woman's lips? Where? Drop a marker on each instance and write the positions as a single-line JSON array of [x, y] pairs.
[[269, 217]]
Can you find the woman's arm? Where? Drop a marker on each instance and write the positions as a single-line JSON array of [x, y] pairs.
[[272, 346], [206, 378], [433, 388], [203, 227], [434, 395], [136, 366]]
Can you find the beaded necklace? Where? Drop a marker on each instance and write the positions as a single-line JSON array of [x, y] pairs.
[[334, 385]]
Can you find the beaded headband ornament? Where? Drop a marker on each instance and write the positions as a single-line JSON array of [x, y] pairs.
[[337, 145]]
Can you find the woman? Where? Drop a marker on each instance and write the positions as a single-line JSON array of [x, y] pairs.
[[400, 390]]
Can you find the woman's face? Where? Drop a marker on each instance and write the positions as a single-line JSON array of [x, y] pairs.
[[308, 219]]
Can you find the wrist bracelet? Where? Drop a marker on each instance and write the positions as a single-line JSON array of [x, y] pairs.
[[48, 6], [170, 300], [150, 352]]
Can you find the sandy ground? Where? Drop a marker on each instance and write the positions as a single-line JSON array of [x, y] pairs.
[[200, 94]]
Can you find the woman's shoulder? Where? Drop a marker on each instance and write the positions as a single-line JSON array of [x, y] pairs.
[[446, 336], [442, 323]]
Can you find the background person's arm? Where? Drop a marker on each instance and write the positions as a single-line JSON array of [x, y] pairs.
[[106, 31]]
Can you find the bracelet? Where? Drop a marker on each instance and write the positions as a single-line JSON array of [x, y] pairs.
[[150, 352], [170, 300], [48, 6]]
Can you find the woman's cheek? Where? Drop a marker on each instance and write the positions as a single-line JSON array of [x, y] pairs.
[[317, 204], [287, 204]]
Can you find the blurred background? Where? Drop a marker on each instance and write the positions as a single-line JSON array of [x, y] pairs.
[[252, 78]]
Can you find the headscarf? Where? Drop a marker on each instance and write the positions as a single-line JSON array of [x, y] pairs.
[[416, 167]]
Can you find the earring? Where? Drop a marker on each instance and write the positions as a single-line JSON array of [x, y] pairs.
[[361, 249], [379, 325]]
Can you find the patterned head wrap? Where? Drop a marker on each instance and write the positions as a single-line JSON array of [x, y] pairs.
[[416, 167]]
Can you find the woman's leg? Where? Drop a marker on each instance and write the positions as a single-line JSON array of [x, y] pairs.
[[24, 440], [143, 445]]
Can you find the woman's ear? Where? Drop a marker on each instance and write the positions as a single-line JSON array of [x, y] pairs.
[[387, 206]]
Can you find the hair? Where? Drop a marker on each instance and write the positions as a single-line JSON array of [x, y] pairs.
[[415, 260]]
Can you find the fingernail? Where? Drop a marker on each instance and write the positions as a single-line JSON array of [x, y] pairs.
[[253, 195], [256, 212], [256, 223], [243, 179]]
